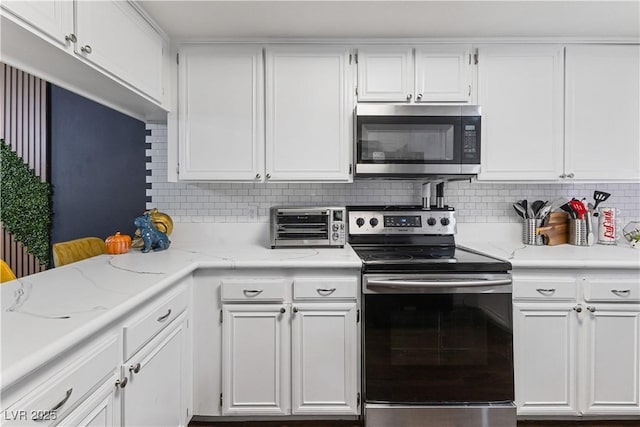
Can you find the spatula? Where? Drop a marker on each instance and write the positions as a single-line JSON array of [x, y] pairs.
[[599, 197]]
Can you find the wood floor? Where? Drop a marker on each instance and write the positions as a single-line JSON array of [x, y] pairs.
[[632, 423]]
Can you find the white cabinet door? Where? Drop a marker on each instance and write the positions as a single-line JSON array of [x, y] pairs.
[[545, 339], [324, 359], [98, 410], [309, 113], [443, 73], [255, 359], [385, 73], [221, 116], [520, 91], [115, 37], [155, 393], [612, 359], [53, 18], [602, 131]]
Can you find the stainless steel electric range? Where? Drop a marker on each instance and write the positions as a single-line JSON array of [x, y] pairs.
[[437, 335]]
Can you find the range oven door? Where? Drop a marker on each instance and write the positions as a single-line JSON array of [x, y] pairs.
[[415, 140], [442, 339]]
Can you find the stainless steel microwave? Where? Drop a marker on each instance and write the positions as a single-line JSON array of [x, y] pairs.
[[417, 140]]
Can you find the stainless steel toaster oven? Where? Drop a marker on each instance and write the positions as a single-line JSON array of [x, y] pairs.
[[307, 226]]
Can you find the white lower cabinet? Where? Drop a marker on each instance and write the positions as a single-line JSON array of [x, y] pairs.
[[577, 344], [324, 358], [99, 410], [155, 393], [284, 357]]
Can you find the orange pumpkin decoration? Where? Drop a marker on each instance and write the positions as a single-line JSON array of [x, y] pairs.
[[118, 244]]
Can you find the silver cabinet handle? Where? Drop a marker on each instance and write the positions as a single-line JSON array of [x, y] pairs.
[[409, 97], [570, 175], [283, 310], [122, 383], [252, 292], [295, 309], [86, 49], [268, 176], [564, 175], [165, 317], [325, 291], [258, 176], [71, 38], [41, 415], [469, 90], [591, 309], [577, 309], [419, 97], [546, 291], [134, 368], [621, 292]]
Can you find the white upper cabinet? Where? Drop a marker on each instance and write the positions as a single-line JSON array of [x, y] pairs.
[[520, 91], [54, 18], [385, 73], [115, 37], [436, 73], [221, 115], [309, 113], [602, 123], [443, 73]]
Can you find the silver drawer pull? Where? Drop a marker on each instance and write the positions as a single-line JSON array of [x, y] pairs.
[[44, 415], [621, 292], [165, 317], [252, 292], [546, 291], [134, 368], [325, 291]]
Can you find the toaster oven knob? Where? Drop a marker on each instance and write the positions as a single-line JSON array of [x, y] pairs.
[[360, 222], [373, 222], [335, 236], [444, 221], [431, 221], [335, 227]]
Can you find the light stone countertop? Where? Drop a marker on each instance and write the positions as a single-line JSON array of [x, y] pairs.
[[48, 313]]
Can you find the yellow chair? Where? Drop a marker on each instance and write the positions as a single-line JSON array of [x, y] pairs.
[[6, 273], [77, 250]]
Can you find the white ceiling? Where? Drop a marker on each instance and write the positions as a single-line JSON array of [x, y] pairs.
[[201, 20]]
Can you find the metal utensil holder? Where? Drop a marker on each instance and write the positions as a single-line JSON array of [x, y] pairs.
[[529, 236], [578, 232]]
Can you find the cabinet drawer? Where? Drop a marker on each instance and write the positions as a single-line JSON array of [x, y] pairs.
[[246, 290], [548, 289], [325, 288], [142, 329], [65, 390], [622, 290]]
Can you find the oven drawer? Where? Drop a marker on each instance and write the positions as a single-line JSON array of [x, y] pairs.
[[247, 290], [324, 288], [547, 289], [611, 290]]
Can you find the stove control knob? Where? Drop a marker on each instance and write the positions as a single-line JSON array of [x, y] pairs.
[[444, 221], [335, 227], [373, 222], [335, 236], [431, 221], [360, 222]]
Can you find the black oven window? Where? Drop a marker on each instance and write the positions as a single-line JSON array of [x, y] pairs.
[[438, 348]]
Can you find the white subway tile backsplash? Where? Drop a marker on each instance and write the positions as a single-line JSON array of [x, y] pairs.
[[474, 202]]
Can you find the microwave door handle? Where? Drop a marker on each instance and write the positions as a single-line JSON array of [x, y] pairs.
[[413, 284]]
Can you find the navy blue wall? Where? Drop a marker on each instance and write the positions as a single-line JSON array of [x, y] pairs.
[[98, 168]]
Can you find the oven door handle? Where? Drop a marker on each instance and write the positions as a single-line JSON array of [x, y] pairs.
[[413, 284]]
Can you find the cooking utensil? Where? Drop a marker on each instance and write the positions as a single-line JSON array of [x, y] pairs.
[[536, 206], [567, 208], [544, 211], [578, 208], [599, 197], [528, 208], [520, 210]]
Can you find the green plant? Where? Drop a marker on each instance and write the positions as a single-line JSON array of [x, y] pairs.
[[24, 204]]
